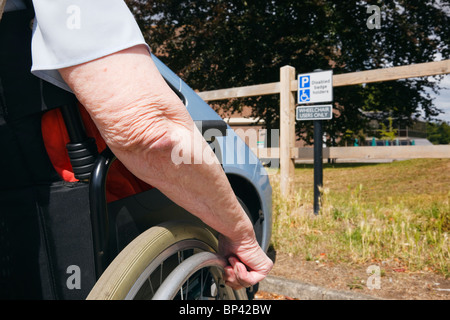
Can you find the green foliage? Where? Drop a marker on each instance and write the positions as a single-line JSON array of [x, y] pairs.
[[438, 132], [388, 133], [221, 44]]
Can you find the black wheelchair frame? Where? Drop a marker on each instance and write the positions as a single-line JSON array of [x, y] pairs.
[[104, 248]]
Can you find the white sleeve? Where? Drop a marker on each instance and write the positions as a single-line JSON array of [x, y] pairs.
[[71, 32]]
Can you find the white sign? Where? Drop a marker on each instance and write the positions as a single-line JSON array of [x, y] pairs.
[[315, 87], [318, 112]]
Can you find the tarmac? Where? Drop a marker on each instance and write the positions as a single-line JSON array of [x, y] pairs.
[[305, 291]]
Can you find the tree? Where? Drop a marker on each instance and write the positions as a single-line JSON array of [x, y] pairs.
[[388, 133], [438, 132], [219, 44]]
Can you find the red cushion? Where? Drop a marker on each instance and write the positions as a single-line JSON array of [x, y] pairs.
[[120, 182]]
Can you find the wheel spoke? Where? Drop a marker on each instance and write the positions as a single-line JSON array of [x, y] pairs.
[[151, 286], [161, 273]]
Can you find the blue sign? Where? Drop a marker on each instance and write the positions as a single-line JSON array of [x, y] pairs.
[[304, 82], [304, 95], [304, 90]]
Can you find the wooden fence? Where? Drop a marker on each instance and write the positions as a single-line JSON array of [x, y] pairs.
[[287, 88], [362, 153]]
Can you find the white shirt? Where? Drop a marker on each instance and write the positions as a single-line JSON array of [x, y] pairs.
[[71, 32]]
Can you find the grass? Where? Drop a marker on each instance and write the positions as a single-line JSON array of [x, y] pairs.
[[369, 213]]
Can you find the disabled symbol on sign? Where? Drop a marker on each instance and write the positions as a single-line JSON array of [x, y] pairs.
[[304, 95]]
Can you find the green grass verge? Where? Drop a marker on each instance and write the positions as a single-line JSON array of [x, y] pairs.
[[369, 213]]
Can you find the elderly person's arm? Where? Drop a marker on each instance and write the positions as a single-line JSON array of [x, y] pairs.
[[142, 120]]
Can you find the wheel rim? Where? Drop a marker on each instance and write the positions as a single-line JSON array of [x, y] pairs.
[[203, 270], [153, 276]]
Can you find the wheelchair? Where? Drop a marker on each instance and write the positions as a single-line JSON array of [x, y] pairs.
[[76, 243], [140, 247]]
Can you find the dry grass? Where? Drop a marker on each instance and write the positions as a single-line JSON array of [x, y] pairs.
[[370, 213]]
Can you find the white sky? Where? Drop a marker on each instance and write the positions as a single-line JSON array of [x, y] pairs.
[[442, 101]]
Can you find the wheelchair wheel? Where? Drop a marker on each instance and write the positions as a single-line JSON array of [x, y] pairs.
[[199, 277], [140, 269]]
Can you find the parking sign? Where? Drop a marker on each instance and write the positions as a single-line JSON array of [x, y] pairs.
[[304, 93], [315, 87]]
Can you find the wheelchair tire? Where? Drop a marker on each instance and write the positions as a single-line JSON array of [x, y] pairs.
[[193, 278], [140, 268]]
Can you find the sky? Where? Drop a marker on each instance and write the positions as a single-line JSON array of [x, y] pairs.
[[442, 101]]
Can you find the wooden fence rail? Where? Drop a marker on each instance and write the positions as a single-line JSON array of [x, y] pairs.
[[339, 80], [362, 153], [287, 87]]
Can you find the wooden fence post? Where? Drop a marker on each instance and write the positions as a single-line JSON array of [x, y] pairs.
[[287, 128]]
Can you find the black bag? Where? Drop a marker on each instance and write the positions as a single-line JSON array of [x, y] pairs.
[[44, 222]]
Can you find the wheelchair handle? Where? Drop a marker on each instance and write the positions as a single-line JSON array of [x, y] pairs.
[[82, 150]]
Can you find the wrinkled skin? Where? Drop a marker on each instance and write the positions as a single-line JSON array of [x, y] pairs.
[[142, 121]]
